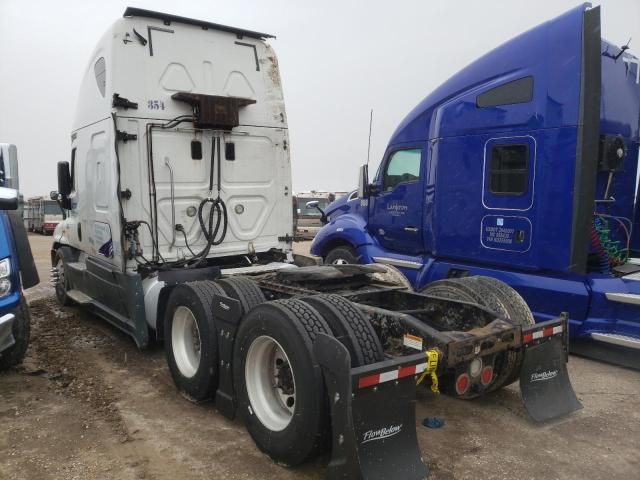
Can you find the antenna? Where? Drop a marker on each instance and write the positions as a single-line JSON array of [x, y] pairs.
[[623, 49], [369, 146]]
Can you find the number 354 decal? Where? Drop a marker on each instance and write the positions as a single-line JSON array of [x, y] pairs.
[[155, 105]]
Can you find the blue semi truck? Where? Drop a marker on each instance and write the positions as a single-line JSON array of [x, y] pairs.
[[521, 167], [17, 268]]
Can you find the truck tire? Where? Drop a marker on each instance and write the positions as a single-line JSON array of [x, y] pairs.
[[393, 276], [62, 282], [519, 313], [243, 289], [476, 290], [287, 418], [190, 339], [350, 327], [21, 329], [341, 256]]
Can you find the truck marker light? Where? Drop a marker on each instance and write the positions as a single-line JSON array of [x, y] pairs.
[[487, 375], [462, 384]]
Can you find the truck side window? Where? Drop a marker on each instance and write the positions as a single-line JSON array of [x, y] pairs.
[[509, 169], [517, 91], [100, 71], [403, 167]]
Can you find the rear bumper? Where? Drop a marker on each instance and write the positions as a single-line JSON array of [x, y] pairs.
[[6, 329]]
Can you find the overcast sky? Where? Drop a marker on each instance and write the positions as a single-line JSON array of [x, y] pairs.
[[338, 59]]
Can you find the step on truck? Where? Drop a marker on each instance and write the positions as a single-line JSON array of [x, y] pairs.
[[179, 228], [522, 167]]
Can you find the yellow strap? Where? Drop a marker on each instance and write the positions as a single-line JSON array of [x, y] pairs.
[[432, 367]]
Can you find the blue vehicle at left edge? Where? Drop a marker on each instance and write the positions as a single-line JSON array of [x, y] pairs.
[[17, 268], [522, 167]]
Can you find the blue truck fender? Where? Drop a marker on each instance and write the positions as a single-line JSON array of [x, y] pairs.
[[347, 229]]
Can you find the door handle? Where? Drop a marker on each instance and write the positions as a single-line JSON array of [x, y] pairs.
[[411, 229]]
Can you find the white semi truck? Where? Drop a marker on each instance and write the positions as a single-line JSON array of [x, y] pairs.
[[179, 228]]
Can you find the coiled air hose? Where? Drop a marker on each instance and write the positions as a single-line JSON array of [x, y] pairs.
[[609, 252]]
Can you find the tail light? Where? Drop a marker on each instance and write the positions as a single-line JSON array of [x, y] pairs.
[[462, 384], [487, 375]]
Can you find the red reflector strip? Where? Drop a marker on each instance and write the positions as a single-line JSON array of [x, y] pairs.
[[403, 372], [369, 381], [545, 332]]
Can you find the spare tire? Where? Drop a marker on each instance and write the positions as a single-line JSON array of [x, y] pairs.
[[278, 382]]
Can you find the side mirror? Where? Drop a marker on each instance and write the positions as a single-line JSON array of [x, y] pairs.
[[363, 182], [63, 202], [316, 204], [64, 179], [8, 199]]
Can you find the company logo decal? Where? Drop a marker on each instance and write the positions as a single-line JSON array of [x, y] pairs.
[[381, 433], [224, 306], [397, 208], [541, 377]]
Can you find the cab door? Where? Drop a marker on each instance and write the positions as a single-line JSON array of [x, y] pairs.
[[395, 218]]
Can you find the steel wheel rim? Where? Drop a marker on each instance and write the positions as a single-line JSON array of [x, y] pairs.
[[185, 341], [339, 261], [270, 382]]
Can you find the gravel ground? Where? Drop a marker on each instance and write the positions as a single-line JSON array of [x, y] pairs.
[[86, 404]]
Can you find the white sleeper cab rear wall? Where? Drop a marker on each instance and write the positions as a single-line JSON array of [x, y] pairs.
[[144, 61]]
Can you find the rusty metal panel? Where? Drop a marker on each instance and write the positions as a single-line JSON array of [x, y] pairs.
[[214, 111]]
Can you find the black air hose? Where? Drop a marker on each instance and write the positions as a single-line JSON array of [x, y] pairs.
[[218, 208]]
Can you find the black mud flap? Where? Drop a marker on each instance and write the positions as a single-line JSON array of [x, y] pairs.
[[544, 381], [372, 415], [228, 313], [28, 271]]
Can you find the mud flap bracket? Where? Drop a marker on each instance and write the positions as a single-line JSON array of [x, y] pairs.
[[374, 428]]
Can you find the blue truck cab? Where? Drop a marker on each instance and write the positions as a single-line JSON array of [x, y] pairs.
[[523, 167], [17, 268]]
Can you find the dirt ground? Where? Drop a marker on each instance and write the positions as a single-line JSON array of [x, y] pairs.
[[87, 404]]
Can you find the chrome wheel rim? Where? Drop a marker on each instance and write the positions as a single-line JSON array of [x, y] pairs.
[[185, 341], [270, 383], [60, 285], [339, 261]]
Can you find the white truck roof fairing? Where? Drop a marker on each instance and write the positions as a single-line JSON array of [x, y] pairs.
[[146, 57]]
